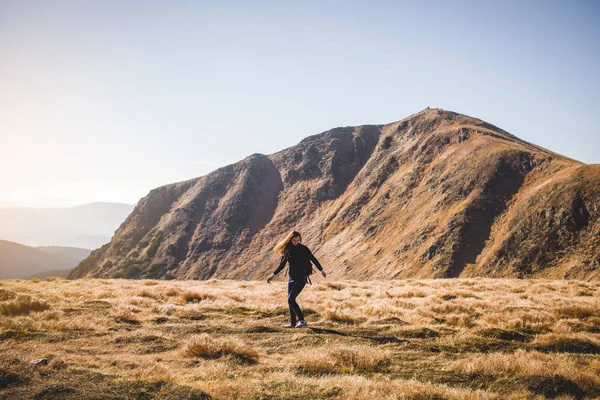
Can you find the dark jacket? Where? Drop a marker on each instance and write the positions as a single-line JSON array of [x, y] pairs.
[[299, 258]]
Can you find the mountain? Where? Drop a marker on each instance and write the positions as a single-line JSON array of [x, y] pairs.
[[61, 273], [70, 256], [18, 261], [88, 225], [435, 195]]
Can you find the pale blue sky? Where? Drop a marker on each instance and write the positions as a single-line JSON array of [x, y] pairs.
[[105, 100]]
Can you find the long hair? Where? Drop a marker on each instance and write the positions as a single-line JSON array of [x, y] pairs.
[[280, 247]]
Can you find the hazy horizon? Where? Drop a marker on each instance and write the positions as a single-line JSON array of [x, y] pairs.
[[61, 203], [103, 101]]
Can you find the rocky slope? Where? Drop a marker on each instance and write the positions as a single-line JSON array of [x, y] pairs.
[[437, 194]]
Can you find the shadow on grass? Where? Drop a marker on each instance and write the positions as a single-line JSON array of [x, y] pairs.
[[71, 384], [320, 331]]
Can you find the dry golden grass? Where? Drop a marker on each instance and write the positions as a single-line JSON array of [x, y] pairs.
[[192, 297], [358, 358], [222, 339], [22, 305], [206, 346]]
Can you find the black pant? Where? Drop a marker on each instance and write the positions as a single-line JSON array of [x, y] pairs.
[[295, 286]]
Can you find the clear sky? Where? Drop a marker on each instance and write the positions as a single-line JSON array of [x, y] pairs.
[[105, 100]]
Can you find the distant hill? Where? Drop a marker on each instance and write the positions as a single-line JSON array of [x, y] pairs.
[[61, 273], [70, 255], [86, 226], [18, 261], [434, 195]]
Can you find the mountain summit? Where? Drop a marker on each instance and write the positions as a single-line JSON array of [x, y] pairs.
[[435, 195]]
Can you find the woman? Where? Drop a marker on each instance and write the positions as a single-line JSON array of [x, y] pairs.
[[299, 257]]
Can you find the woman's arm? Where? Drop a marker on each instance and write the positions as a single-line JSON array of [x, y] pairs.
[[314, 259], [279, 268], [281, 264]]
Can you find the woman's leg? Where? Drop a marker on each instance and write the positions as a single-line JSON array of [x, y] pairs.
[[291, 283], [295, 286]]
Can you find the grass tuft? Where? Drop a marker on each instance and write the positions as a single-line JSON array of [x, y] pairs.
[[342, 360], [205, 346], [195, 297], [23, 305]]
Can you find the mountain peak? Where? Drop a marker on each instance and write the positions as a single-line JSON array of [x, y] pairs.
[[436, 194]]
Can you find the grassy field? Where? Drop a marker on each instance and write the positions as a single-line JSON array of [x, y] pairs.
[[409, 339]]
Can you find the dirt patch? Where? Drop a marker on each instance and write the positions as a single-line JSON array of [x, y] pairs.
[[476, 345], [55, 392], [448, 297], [97, 304], [8, 334], [566, 345], [193, 316], [422, 333], [147, 344], [284, 311], [311, 312], [260, 329], [231, 310], [74, 384], [554, 386], [384, 339], [9, 378], [581, 327], [503, 335], [393, 320], [137, 339], [327, 331]]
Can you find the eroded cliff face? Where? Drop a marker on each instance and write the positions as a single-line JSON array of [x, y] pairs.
[[437, 194]]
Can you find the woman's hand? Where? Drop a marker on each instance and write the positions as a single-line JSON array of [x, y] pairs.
[[324, 273], [269, 279]]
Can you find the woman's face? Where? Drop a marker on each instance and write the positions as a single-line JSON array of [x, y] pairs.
[[295, 240]]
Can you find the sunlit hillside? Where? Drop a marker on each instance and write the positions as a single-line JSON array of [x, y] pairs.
[[437, 194], [403, 339]]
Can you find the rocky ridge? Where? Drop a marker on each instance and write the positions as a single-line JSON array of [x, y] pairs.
[[435, 195]]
